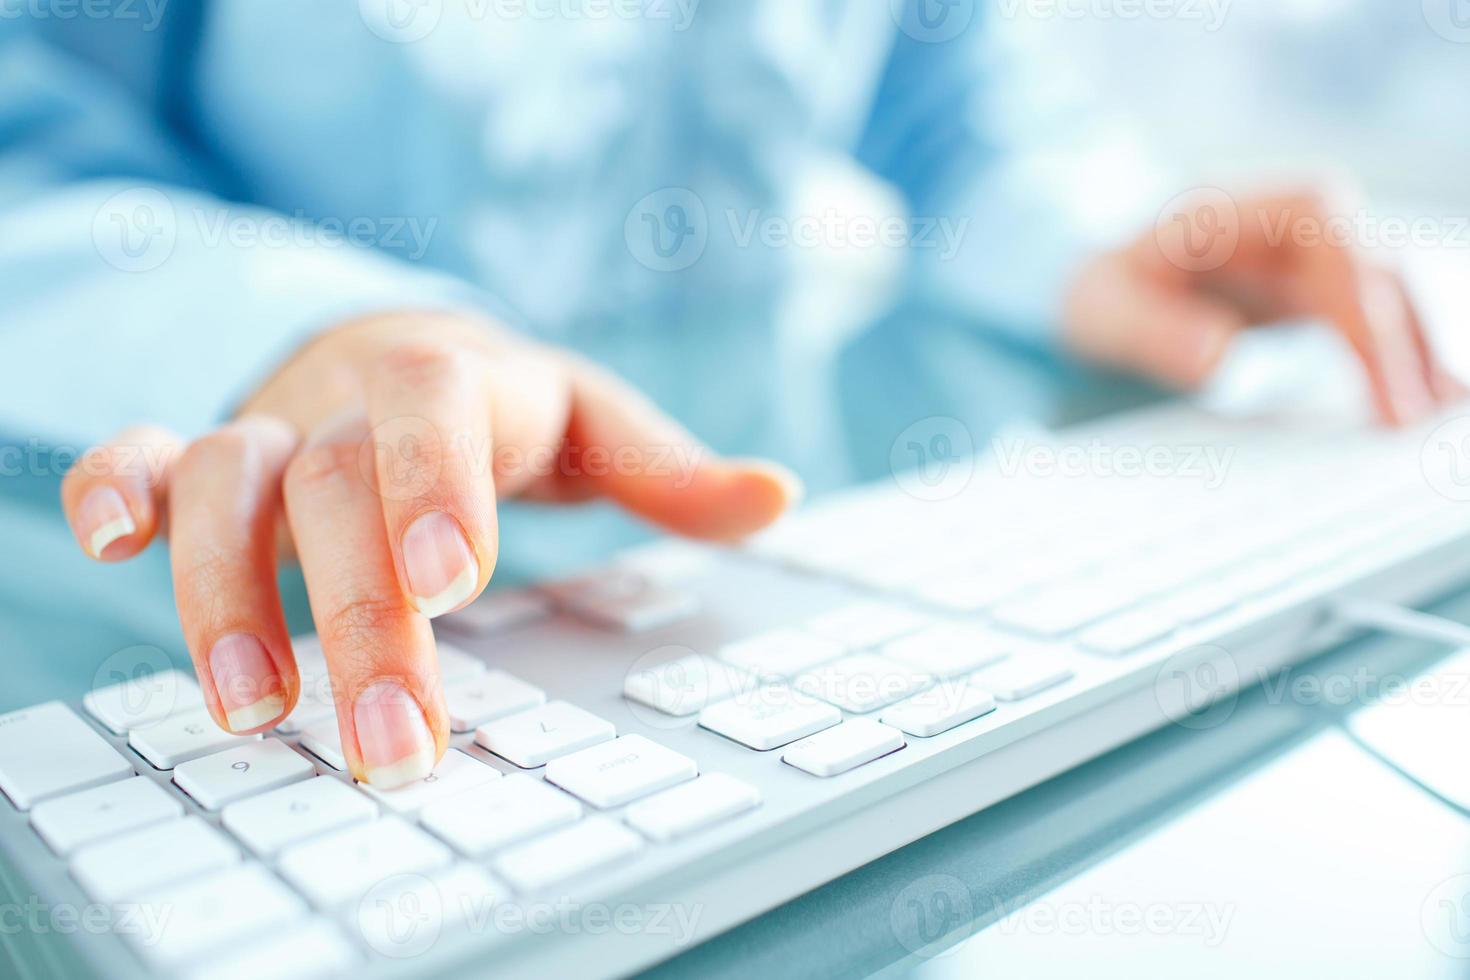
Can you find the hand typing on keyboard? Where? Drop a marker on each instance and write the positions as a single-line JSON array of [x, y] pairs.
[[376, 455]]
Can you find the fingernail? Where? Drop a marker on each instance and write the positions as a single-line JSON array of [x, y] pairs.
[[393, 738], [441, 568], [245, 677], [103, 517]]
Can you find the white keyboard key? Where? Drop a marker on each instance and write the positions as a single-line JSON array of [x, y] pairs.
[[341, 866], [968, 592], [1126, 633], [323, 739], [454, 774], [1022, 676], [498, 814], [653, 608], [493, 694], [500, 612], [242, 771], [947, 705], [141, 701], [406, 916], [769, 717], [868, 624], [685, 686], [948, 650], [594, 843], [68, 822], [304, 715], [1198, 603], [124, 868], [314, 951], [204, 915], [853, 743], [693, 806], [455, 664], [620, 771], [862, 682], [272, 821], [533, 738], [182, 737], [47, 750], [1062, 609], [781, 654]]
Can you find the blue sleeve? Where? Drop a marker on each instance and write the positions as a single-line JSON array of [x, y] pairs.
[[132, 288], [958, 133]]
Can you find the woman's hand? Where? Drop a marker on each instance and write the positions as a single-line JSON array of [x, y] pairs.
[[377, 454], [1167, 305]]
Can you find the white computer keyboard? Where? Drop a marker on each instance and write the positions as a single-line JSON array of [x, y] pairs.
[[691, 736]]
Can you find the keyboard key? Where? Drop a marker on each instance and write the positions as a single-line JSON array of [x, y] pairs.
[[620, 771], [142, 701], [1126, 633], [314, 951], [685, 686], [47, 750], [124, 868], [781, 654], [693, 806], [1062, 609], [237, 904], [867, 624], [968, 592], [533, 738], [494, 694], [624, 600], [341, 866], [242, 771], [497, 814], [499, 612], [183, 737], [851, 744], [323, 739], [862, 682], [407, 915], [272, 821], [947, 705], [454, 774], [594, 843], [68, 822], [455, 664], [948, 650], [1023, 676], [769, 717]]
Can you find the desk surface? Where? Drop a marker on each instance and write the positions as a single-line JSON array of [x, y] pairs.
[[969, 874]]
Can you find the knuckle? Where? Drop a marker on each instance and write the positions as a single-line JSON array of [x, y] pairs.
[[221, 449], [358, 625], [420, 363], [320, 464]]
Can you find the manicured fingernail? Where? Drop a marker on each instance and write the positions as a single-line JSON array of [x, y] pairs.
[[103, 517], [245, 677], [442, 570], [393, 738]]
